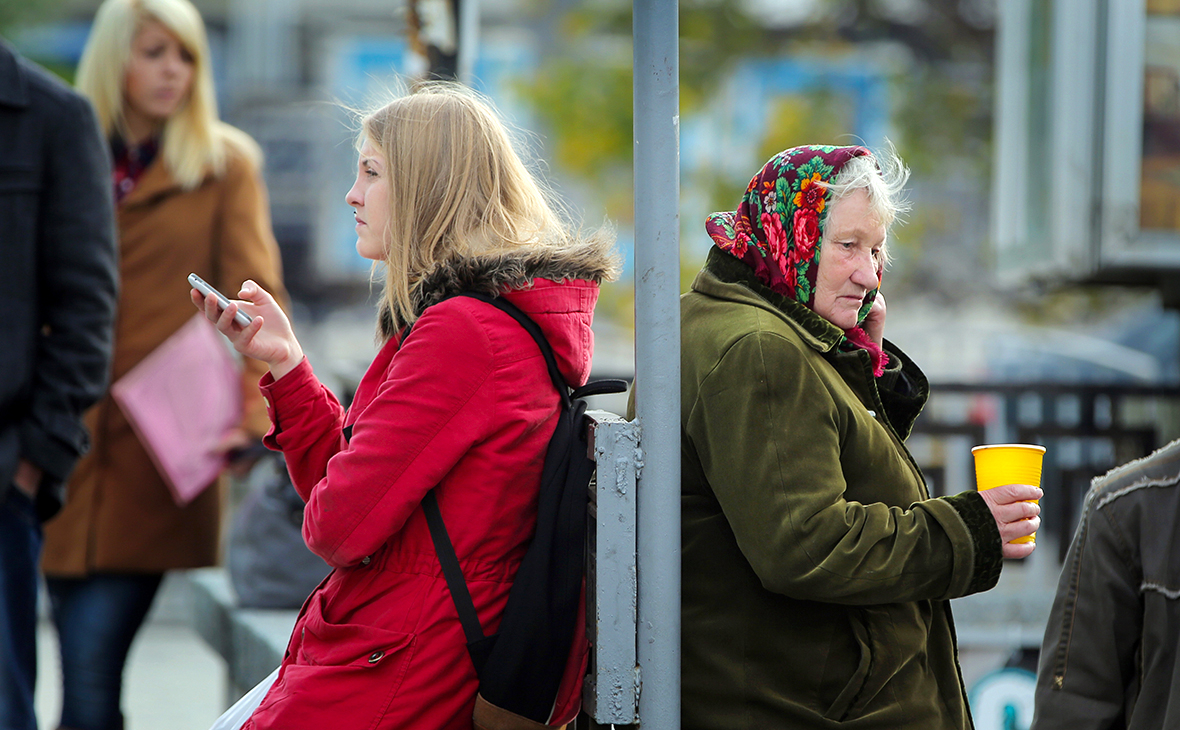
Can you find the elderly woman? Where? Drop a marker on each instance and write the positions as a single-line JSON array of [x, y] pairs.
[[817, 569]]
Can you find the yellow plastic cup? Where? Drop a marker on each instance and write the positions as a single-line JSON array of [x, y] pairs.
[[1000, 464]]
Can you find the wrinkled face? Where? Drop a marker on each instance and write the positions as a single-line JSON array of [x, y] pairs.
[[369, 198], [159, 74], [849, 260]]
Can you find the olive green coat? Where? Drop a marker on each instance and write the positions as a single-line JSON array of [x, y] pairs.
[[816, 568]]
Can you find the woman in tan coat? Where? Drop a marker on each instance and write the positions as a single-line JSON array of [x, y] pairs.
[[190, 199]]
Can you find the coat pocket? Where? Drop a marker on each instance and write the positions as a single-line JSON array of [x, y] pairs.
[[343, 675], [843, 703]]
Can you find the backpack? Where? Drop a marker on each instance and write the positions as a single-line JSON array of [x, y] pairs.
[[531, 671]]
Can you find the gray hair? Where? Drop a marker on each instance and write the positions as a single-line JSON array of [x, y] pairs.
[[883, 176]]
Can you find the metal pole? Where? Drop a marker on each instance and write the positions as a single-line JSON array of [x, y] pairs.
[[467, 33], [657, 356]]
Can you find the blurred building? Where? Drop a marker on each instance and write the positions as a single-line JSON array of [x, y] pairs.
[[1088, 143]]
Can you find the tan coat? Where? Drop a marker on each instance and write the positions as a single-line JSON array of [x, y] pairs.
[[119, 514]]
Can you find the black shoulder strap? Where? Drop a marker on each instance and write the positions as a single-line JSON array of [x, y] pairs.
[[460, 594], [453, 574], [538, 336], [597, 387], [451, 570]]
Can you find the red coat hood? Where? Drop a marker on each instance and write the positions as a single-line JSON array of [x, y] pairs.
[[557, 286], [564, 311]]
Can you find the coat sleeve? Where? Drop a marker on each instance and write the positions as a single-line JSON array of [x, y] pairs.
[[77, 278], [308, 422], [247, 250], [432, 407], [1088, 660], [769, 441]]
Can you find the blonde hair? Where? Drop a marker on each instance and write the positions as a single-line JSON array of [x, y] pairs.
[[195, 142], [457, 189]]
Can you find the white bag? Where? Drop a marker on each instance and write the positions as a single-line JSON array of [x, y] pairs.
[[236, 715]]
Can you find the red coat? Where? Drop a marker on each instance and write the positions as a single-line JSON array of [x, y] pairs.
[[468, 406]]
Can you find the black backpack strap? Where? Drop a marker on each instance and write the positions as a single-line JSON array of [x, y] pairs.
[[600, 387], [538, 336], [451, 570], [438, 529], [479, 646], [596, 387]]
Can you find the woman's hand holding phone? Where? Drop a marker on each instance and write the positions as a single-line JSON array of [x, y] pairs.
[[268, 337], [874, 324]]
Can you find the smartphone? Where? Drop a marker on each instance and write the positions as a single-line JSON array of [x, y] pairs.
[[202, 286]]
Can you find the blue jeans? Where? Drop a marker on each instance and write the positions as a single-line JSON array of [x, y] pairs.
[[20, 549], [97, 618]]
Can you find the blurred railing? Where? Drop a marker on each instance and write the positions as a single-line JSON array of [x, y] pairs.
[[1086, 428]]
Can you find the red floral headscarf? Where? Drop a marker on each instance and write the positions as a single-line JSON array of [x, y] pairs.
[[778, 227]]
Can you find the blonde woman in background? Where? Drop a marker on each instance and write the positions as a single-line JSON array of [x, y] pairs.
[[190, 198]]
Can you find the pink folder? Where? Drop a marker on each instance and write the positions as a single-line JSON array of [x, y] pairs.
[[181, 400]]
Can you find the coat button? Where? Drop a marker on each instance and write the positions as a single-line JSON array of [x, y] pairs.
[[376, 656], [366, 560]]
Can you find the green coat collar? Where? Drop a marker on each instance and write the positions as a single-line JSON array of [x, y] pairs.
[[725, 277], [721, 271]]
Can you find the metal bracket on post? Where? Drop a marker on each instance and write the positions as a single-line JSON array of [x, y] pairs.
[[611, 695]]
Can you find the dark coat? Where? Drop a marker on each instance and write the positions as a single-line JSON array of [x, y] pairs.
[[120, 516], [1109, 659], [58, 274], [467, 406], [817, 571]]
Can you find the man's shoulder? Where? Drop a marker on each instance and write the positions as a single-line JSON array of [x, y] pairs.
[[46, 89], [28, 85], [1151, 478]]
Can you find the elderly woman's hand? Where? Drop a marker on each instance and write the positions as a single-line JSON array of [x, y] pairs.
[[874, 322], [1015, 516]]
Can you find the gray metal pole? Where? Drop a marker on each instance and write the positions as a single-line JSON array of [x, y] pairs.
[[468, 40], [657, 356]]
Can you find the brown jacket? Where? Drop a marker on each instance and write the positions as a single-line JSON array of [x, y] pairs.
[[119, 514]]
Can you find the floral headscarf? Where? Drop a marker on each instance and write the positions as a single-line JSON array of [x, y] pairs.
[[778, 227]]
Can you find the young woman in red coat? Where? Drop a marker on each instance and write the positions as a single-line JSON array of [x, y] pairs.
[[464, 405]]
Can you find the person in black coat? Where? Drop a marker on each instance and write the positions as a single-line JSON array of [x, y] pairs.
[[58, 282]]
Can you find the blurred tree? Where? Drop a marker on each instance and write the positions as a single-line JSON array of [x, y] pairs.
[[941, 87], [15, 14], [818, 115], [943, 97], [944, 101]]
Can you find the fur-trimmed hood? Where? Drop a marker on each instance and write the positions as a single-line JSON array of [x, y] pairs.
[[591, 259]]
